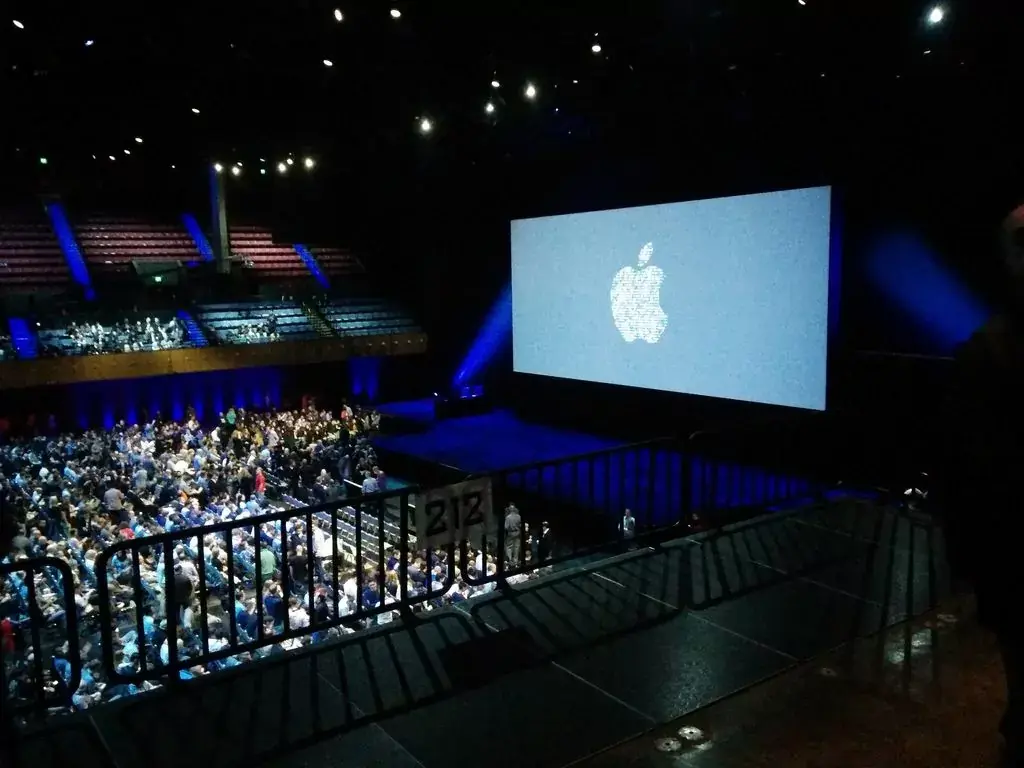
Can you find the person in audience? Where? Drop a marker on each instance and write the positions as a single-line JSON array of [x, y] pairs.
[[977, 490], [143, 334]]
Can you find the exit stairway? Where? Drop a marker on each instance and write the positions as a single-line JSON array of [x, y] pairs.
[[195, 333], [317, 320]]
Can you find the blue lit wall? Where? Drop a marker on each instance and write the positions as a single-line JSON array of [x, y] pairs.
[[924, 291], [202, 244], [72, 255], [494, 334], [103, 403], [311, 264], [365, 373], [23, 337]]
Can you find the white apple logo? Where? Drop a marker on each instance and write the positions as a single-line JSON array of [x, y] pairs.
[[636, 300]]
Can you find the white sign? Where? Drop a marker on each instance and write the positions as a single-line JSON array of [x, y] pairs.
[[448, 515]]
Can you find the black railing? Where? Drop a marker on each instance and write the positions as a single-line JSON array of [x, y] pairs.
[[33, 677], [373, 545]]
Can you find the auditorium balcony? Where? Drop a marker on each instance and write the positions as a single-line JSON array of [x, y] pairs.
[[366, 317], [111, 244], [254, 248], [30, 256], [79, 333], [256, 322]]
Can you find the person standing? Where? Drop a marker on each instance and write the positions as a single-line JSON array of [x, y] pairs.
[[977, 494], [513, 535], [627, 528]]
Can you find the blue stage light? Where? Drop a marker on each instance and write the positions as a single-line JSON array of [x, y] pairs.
[[365, 373], [68, 245], [493, 335], [912, 277], [311, 264], [202, 244]]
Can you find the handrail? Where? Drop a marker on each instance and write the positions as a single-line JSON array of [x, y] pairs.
[[30, 567]]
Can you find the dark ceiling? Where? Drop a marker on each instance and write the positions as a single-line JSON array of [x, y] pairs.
[[240, 82]]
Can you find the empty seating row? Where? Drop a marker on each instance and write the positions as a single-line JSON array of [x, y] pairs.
[[30, 255], [256, 323], [367, 318], [335, 262], [255, 248], [111, 245]]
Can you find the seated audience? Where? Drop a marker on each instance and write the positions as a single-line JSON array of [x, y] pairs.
[[71, 496]]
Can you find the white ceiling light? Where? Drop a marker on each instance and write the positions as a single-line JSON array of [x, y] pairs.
[[236, 171], [127, 151], [290, 161], [195, 111], [936, 15], [263, 171], [138, 139], [595, 48], [328, 63], [43, 161], [489, 109], [88, 43], [395, 13], [112, 157], [495, 84], [309, 163], [531, 91], [282, 168], [338, 15], [426, 126], [218, 167], [18, 24]]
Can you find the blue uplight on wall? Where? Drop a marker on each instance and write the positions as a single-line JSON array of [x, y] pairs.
[[198, 236], [23, 338], [311, 264], [913, 278], [69, 246], [365, 372], [493, 335]]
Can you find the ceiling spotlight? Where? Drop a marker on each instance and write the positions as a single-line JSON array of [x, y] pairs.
[[802, 2], [309, 163], [290, 161], [18, 24], [328, 63], [43, 161], [337, 15], [195, 111], [88, 43], [173, 167], [263, 171], [236, 170], [112, 158], [395, 13], [282, 168], [595, 48], [531, 91], [138, 140], [218, 167], [936, 15], [127, 151], [426, 126], [495, 84], [489, 109]]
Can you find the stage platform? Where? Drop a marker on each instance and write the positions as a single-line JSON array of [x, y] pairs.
[[551, 672], [655, 482], [478, 444]]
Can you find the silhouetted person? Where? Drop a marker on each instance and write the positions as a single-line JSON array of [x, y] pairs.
[[980, 494]]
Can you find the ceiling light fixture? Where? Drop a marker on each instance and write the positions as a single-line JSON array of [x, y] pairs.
[[43, 161], [531, 91], [328, 63], [218, 167], [309, 163], [489, 109], [495, 84], [195, 111], [138, 139], [595, 48], [338, 15], [282, 168], [18, 24], [936, 15], [236, 171], [395, 13], [88, 43], [290, 161]]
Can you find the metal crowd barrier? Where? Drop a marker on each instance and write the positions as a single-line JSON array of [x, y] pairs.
[[670, 491], [30, 683]]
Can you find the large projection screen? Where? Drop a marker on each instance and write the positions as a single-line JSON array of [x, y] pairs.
[[724, 298]]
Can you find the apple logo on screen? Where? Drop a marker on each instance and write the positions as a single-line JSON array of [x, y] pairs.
[[636, 300]]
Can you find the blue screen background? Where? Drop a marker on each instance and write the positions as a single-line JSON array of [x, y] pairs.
[[745, 291]]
